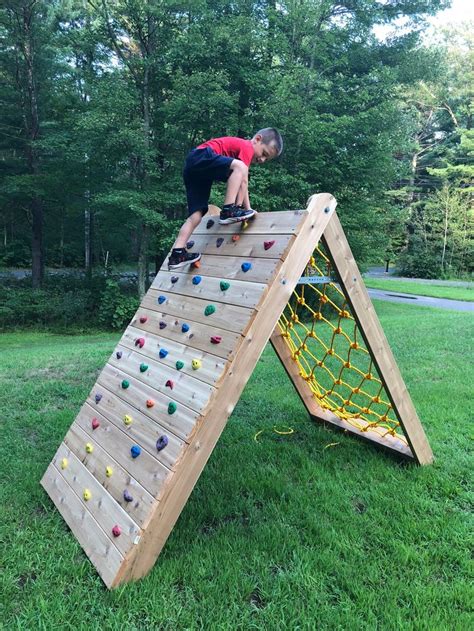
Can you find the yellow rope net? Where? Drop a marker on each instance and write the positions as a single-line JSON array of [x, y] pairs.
[[325, 342]]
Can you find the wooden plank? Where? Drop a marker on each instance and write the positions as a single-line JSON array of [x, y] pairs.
[[186, 388], [212, 367], [198, 337], [177, 490], [278, 222], [180, 423], [101, 505], [363, 311], [140, 429], [317, 413], [121, 462], [247, 246], [95, 543], [227, 317], [240, 293], [229, 268]]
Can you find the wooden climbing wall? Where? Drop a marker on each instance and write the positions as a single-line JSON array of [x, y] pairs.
[[131, 458]]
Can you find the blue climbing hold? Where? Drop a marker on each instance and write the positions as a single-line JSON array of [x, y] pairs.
[[98, 397], [185, 327], [161, 442], [135, 451], [174, 279], [127, 496], [161, 299], [163, 352], [189, 245], [118, 354], [246, 266], [197, 280]]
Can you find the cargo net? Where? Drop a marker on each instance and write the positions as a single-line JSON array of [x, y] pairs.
[[332, 358]]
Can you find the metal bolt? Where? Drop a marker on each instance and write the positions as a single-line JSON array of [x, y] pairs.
[[327, 210]]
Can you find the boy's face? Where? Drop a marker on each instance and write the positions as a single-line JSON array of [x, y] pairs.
[[262, 151]]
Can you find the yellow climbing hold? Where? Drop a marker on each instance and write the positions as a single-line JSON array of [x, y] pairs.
[[64, 463], [196, 364], [87, 495], [108, 472], [127, 419], [89, 448]]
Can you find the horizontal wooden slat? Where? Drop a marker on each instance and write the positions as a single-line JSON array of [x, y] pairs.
[[228, 317], [229, 268], [240, 293], [248, 246], [262, 223], [141, 430], [95, 543], [102, 506], [181, 423], [212, 367], [198, 336]]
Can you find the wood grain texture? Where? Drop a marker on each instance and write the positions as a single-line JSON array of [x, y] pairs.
[[265, 223]]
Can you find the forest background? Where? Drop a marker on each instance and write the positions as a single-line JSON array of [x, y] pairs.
[[102, 99]]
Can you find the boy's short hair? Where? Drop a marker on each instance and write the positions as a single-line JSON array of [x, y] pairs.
[[270, 136]]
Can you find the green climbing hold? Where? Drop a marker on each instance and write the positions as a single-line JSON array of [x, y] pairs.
[[172, 407], [179, 364], [143, 367], [209, 309], [125, 384], [224, 285]]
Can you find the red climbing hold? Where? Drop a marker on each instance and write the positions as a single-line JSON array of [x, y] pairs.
[[95, 423], [216, 339], [140, 341], [143, 319], [116, 531], [150, 403], [235, 237], [268, 244], [169, 384]]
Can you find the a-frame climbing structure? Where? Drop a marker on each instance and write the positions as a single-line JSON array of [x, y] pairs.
[[132, 456]]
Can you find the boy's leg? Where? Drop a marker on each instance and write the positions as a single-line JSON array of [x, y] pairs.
[[187, 229], [236, 194]]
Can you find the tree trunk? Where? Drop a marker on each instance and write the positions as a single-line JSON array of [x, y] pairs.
[[142, 260]]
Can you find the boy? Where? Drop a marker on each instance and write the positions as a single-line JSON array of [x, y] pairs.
[[221, 159]]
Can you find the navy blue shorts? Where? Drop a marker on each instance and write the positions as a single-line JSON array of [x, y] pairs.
[[201, 169]]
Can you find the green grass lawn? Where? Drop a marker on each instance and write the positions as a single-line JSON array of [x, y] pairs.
[[291, 532], [421, 289]]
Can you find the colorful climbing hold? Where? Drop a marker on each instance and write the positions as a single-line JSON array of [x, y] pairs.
[[268, 244], [150, 403], [219, 242], [162, 325], [135, 451], [179, 365], [197, 280], [143, 367], [224, 285], [196, 264], [189, 245], [172, 407], [98, 397], [216, 339], [116, 531], [127, 419], [196, 364], [174, 279], [161, 299], [140, 341], [185, 327], [118, 354], [210, 223], [163, 352], [161, 442], [87, 495], [127, 497], [143, 319], [235, 237], [95, 423], [64, 463], [89, 448], [246, 266], [125, 384], [169, 384], [209, 310], [108, 471]]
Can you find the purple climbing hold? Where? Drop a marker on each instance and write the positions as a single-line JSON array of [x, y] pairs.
[[118, 354], [98, 397], [162, 325], [174, 279], [246, 266], [197, 280], [219, 242], [185, 327], [127, 497], [161, 442], [189, 244], [161, 299], [210, 223], [163, 352]]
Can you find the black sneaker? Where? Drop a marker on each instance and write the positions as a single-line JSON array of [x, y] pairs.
[[182, 258], [234, 214]]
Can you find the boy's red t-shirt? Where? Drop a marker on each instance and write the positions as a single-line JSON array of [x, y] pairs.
[[231, 147]]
